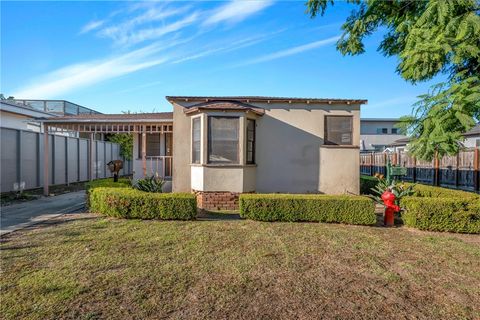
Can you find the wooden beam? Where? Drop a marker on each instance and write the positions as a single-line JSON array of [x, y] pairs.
[[45, 160], [144, 151]]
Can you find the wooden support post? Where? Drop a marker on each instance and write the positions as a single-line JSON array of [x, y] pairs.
[[144, 151], [91, 168], [436, 166], [45, 160]]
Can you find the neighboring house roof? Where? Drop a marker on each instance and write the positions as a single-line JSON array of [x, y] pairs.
[[12, 107], [223, 105], [400, 142], [126, 117], [248, 99], [475, 131]]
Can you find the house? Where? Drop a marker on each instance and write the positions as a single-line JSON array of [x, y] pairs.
[[219, 147], [471, 140], [472, 137], [377, 134]]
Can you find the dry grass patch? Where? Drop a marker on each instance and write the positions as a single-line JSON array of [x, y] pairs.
[[104, 268]]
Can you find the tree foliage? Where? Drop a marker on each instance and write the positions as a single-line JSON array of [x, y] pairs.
[[429, 38], [125, 140]]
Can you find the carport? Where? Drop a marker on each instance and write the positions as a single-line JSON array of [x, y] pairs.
[[92, 124]]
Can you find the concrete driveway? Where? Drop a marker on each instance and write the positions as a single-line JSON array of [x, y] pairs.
[[22, 215]]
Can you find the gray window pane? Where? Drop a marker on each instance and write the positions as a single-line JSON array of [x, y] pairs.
[[223, 135], [196, 140]]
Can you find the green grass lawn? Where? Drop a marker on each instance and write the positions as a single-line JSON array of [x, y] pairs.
[[93, 267]]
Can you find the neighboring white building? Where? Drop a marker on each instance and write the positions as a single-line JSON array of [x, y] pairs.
[[472, 137], [22, 114], [16, 116], [377, 134]]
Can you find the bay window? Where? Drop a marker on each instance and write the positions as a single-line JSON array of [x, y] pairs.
[[223, 140]]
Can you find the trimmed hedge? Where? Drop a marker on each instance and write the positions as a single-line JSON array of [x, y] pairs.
[[107, 183], [367, 183], [442, 214], [131, 203], [422, 190], [302, 207]]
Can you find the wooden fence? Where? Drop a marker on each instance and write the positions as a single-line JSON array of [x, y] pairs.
[[459, 172]]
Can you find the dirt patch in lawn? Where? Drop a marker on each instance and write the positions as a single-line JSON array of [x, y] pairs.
[[90, 267]]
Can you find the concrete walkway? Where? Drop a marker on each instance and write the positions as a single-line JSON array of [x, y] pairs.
[[22, 215]]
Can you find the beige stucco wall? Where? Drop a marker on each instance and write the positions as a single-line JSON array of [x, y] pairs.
[[181, 151], [289, 154], [339, 171], [289, 150]]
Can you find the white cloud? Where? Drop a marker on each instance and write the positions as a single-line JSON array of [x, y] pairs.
[[81, 75], [236, 11], [125, 33], [292, 51], [92, 25], [154, 33], [235, 45]]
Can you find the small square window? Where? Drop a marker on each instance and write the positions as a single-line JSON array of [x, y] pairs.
[[338, 130], [382, 130], [394, 131]]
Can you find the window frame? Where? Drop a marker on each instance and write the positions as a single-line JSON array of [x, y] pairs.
[[146, 153], [199, 160], [254, 141], [325, 136], [209, 140]]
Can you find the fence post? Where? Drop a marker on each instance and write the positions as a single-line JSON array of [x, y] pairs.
[[66, 161], [414, 169], [476, 170], [456, 171], [19, 158], [38, 157], [53, 158], [372, 163], [46, 152], [385, 158], [436, 180], [78, 160]]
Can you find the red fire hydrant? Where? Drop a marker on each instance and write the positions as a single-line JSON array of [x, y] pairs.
[[390, 208]]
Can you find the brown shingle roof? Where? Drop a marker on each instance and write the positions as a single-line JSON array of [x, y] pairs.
[[125, 117], [475, 131], [267, 99], [224, 106]]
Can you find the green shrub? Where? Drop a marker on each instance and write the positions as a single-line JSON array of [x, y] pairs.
[[319, 208], [442, 214], [131, 203], [150, 184], [422, 190], [107, 183], [367, 183]]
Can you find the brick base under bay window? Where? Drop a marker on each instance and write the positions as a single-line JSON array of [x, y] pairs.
[[217, 200]]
